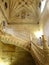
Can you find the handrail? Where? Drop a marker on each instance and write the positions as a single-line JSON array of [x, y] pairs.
[[9, 39]]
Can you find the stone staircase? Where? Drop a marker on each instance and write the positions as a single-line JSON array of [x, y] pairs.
[[15, 55], [9, 39]]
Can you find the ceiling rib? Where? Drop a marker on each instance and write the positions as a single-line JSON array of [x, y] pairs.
[[3, 14]]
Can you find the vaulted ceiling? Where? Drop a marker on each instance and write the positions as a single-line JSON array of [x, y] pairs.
[[20, 11]]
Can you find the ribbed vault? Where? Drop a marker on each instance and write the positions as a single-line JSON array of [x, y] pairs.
[[23, 11]]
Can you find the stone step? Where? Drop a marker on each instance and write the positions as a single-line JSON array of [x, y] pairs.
[[18, 57]]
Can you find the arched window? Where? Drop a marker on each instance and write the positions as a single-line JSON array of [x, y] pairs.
[[39, 4], [6, 5], [43, 2]]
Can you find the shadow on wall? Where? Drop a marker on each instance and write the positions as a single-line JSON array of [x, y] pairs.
[[24, 59]]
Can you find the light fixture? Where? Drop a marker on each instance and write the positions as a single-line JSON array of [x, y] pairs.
[[38, 34]]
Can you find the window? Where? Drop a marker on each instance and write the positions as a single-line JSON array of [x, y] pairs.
[[43, 2], [5, 5]]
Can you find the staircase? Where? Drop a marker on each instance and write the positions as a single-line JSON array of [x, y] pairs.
[[15, 55]]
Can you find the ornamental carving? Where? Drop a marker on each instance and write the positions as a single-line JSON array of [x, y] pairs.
[[23, 11]]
